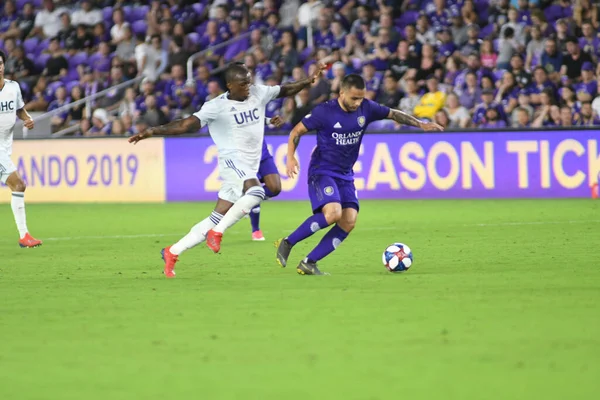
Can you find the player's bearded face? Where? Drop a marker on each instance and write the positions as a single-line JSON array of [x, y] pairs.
[[352, 98]]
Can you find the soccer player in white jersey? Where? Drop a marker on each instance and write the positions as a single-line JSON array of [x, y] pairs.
[[11, 107], [236, 123]]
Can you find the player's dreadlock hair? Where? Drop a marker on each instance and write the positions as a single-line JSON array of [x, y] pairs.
[[3, 56], [234, 70], [353, 81]]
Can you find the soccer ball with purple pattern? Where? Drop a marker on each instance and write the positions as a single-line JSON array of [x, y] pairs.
[[397, 257]]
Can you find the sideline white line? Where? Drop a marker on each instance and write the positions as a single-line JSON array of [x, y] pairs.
[[386, 228]]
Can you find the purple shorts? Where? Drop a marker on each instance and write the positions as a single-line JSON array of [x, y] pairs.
[[267, 167], [324, 189]]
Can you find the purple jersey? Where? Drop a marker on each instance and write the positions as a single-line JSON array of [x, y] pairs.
[[440, 20], [339, 135], [590, 46], [324, 39], [590, 88]]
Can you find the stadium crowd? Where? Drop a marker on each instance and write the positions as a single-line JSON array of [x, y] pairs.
[[462, 63]]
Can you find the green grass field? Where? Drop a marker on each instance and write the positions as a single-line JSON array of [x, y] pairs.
[[502, 302]]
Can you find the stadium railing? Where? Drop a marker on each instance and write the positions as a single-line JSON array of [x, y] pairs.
[[195, 56], [42, 122]]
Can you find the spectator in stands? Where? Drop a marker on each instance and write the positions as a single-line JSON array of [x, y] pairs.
[[151, 59], [9, 17], [402, 61], [22, 26], [468, 13], [264, 67], [319, 90], [285, 54], [118, 128], [596, 101], [87, 15], [112, 98], [67, 30], [47, 21], [57, 122], [308, 13], [154, 16], [101, 124], [492, 119], [83, 40], [471, 95], [574, 60], [258, 14], [411, 98], [549, 116], [562, 35], [441, 118], [522, 118], [76, 113], [126, 47], [458, 115], [148, 88], [128, 106], [535, 48], [508, 92], [524, 102], [57, 65], [100, 34], [20, 68], [584, 10], [153, 115], [507, 47], [389, 95], [432, 101], [473, 42], [517, 26], [236, 50], [552, 59], [214, 90], [458, 31], [210, 39], [177, 53], [587, 89], [586, 116], [487, 55], [89, 84], [425, 32], [303, 106], [120, 27], [566, 116], [239, 11], [487, 101], [176, 86], [372, 80], [428, 66]]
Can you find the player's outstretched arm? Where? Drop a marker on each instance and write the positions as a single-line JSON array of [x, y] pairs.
[[292, 89], [26, 118], [292, 166], [190, 124], [406, 119]]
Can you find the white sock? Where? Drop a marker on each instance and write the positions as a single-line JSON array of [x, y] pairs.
[[18, 208], [243, 206], [197, 234]]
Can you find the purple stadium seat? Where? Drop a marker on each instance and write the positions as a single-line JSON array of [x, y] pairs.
[[486, 31], [198, 8], [139, 13], [79, 58], [200, 29], [43, 45], [139, 27], [37, 3], [25, 89], [409, 17], [498, 74], [30, 45], [53, 86], [72, 75], [70, 85], [195, 38], [40, 61], [495, 45], [107, 14], [20, 4], [128, 11]]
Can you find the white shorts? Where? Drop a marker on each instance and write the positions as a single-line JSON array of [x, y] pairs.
[[6, 166], [234, 173]]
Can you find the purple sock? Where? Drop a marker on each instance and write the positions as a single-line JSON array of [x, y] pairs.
[[328, 244], [255, 218], [308, 227]]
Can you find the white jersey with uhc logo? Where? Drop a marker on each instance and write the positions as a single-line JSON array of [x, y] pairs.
[[238, 129], [11, 100]]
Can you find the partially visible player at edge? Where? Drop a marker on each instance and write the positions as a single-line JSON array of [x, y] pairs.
[[340, 125], [269, 176], [236, 123], [11, 107]]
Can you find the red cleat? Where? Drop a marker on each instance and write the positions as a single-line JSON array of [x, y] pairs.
[[170, 260], [29, 242], [258, 236], [213, 240]]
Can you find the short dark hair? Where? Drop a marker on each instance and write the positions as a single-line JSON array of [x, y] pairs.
[[3, 56], [234, 71], [353, 81]]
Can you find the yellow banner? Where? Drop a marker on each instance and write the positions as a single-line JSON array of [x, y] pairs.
[[90, 170]]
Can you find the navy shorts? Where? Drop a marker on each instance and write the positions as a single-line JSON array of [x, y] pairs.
[[267, 167], [324, 189]]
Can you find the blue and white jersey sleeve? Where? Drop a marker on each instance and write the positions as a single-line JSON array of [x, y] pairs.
[[315, 121], [208, 113], [376, 111], [266, 93]]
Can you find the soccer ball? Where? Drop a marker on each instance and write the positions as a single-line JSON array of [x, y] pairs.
[[397, 257]]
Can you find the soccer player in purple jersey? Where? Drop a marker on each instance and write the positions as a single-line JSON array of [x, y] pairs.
[[340, 125]]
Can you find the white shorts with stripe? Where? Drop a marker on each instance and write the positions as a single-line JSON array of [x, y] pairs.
[[234, 173], [6, 166]]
